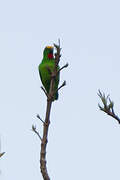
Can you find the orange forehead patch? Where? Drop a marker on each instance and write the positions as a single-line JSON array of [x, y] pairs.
[[49, 47]]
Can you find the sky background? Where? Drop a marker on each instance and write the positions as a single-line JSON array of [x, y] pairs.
[[84, 143]]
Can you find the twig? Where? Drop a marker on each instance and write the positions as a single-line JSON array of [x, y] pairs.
[[65, 66], [63, 84], [1, 154], [57, 55], [107, 106], [40, 118], [59, 42], [36, 132], [44, 91]]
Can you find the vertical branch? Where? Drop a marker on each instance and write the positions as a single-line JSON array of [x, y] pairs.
[[50, 98], [43, 166]]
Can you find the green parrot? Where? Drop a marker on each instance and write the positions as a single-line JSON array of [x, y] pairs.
[[48, 61]]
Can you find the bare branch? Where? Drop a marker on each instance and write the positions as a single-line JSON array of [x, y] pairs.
[[44, 91], [1, 154], [36, 132], [63, 84], [65, 66], [40, 118], [57, 55], [57, 47], [107, 106]]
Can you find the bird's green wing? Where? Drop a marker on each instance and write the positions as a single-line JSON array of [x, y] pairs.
[[44, 77]]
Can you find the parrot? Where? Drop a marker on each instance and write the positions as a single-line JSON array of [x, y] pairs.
[[48, 61]]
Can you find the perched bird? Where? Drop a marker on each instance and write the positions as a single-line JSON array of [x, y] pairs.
[[48, 61]]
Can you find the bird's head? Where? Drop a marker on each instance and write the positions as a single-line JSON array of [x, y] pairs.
[[48, 52]]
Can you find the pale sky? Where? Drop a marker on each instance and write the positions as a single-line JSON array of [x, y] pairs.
[[83, 142]]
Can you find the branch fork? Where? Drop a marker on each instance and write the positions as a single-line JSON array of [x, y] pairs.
[[108, 106]]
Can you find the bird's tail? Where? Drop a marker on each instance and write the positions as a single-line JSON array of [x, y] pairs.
[[56, 96]]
